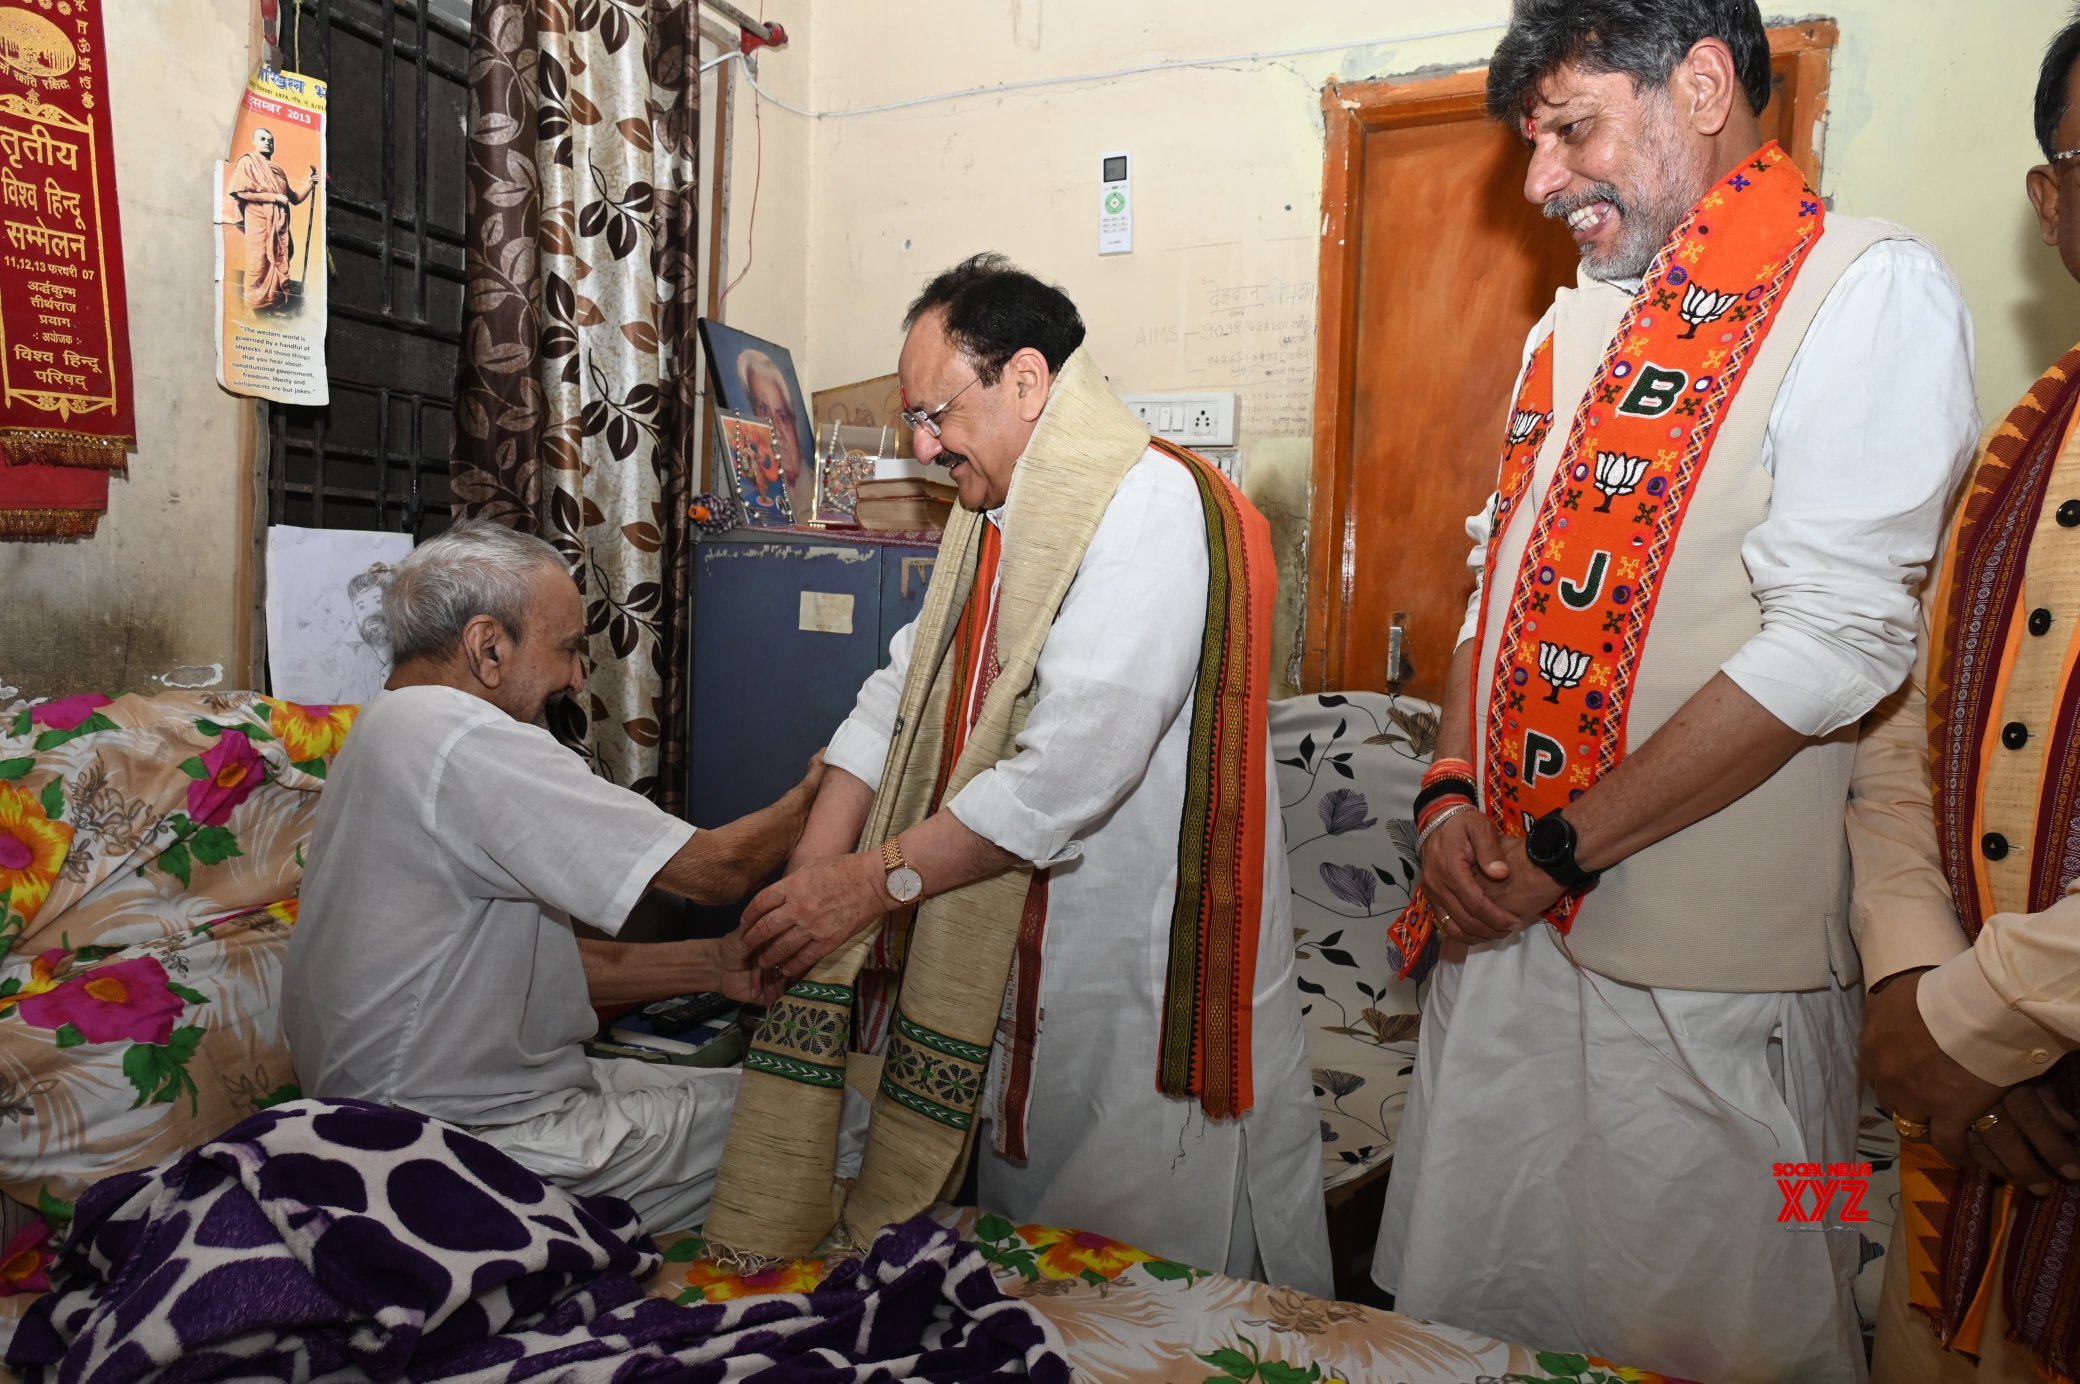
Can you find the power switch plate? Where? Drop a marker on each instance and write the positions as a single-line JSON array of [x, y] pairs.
[[1189, 419], [1115, 205]]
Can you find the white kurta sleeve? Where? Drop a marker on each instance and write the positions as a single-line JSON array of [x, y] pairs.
[[1480, 525], [1119, 664], [860, 746], [523, 818], [1871, 431]]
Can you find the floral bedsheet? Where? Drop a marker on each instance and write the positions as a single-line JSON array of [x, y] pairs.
[[1125, 1316]]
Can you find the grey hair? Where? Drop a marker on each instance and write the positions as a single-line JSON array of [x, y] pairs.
[[475, 568], [1643, 39]]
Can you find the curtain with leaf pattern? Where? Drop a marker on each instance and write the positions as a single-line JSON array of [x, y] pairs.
[[576, 410]]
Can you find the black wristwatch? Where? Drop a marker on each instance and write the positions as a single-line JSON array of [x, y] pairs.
[[1550, 846]]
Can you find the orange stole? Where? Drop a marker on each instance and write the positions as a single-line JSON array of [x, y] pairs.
[[1960, 1222], [1210, 989], [1583, 599], [975, 658]]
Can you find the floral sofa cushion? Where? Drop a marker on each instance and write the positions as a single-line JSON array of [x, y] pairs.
[[114, 1060], [143, 817], [150, 852], [1349, 765]]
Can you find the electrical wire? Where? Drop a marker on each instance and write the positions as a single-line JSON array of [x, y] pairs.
[[758, 175], [1168, 65]]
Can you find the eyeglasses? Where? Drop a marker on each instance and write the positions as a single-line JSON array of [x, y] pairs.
[[929, 420], [2062, 156]]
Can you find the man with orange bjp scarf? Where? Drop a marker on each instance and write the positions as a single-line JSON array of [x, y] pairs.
[[1730, 450]]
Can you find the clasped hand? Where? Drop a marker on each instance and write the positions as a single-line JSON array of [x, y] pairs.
[[805, 917], [1480, 882], [2030, 1139]]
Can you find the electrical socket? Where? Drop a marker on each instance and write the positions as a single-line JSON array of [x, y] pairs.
[[1193, 419]]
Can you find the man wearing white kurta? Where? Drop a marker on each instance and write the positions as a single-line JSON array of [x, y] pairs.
[[435, 966], [1587, 1157], [1093, 797]]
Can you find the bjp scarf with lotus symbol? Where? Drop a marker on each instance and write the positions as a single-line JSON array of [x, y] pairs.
[[1607, 525]]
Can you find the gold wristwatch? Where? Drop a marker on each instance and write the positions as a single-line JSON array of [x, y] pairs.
[[904, 884]]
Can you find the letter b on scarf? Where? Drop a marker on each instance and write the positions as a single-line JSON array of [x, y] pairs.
[[1654, 392]]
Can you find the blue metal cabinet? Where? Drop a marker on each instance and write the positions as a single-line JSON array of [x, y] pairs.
[[786, 626], [905, 573]]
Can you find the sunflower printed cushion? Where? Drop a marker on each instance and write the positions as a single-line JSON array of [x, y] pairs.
[[128, 819]]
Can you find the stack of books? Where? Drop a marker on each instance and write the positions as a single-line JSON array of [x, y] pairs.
[[902, 504]]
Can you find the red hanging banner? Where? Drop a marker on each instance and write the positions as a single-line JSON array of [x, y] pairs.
[[64, 333]]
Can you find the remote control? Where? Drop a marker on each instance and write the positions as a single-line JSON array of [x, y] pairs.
[[682, 1012]]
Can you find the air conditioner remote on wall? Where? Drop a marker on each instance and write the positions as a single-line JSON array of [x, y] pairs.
[[1115, 205]]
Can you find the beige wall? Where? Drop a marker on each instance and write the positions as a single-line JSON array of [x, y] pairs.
[[154, 593], [1930, 126]]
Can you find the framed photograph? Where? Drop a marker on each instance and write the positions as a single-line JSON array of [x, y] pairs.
[[755, 459], [756, 378]]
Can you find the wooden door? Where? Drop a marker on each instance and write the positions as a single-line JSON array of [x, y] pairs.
[[1433, 269]]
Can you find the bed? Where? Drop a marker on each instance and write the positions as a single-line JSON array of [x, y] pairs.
[[139, 990]]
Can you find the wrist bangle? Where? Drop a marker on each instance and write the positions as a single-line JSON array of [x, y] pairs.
[[1448, 768], [1423, 836], [1439, 808], [1443, 789]]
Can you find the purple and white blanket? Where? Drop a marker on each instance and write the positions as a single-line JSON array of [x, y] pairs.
[[325, 1240]]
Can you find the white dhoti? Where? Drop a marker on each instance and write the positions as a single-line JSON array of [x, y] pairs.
[[1588, 1165], [652, 1135]]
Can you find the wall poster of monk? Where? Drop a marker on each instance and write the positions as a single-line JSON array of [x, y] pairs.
[[271, 247]]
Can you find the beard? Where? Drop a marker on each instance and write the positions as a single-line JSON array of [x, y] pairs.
[[1666, 191]]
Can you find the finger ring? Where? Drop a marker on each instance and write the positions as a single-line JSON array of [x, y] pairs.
[[1986, 1122], [1909, 1129]]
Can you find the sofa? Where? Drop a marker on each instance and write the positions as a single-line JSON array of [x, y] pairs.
[[150, 852]]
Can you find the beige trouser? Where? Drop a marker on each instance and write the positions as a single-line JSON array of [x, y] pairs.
[[1907, 1351]]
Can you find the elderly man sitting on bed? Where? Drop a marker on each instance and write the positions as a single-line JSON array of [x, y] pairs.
[[435, 967]]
